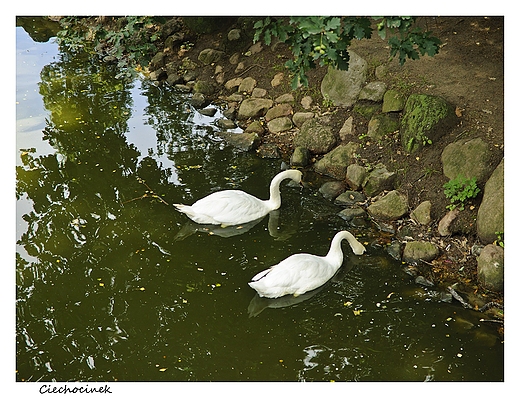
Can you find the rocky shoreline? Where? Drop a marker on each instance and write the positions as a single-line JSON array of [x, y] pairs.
[[337, 132]]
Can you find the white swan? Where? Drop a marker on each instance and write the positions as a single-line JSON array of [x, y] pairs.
[[303, 272], [232, 207]]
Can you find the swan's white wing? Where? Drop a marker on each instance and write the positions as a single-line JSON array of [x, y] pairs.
[[296, 275], [230, 207]]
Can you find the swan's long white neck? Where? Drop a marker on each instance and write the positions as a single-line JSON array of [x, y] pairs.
[[275, 199], [335, 255]]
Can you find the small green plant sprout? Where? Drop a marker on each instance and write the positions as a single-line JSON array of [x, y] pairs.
[[500, 239], [459, 189]]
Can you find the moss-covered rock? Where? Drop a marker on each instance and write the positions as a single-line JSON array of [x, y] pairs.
[[426, 118]]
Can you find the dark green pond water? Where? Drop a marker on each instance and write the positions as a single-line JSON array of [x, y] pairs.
[[112, 285]]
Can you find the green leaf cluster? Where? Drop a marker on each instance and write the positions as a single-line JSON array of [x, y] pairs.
[[130, 40], [324, 40], [460, 189]]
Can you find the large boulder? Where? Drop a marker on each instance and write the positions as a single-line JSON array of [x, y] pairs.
[[490, 216], [334, 164], [426, 118], [342, 87], [315, 136], [490, 268], [468, 158]]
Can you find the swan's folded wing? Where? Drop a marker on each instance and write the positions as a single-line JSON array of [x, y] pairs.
[[230, 207]]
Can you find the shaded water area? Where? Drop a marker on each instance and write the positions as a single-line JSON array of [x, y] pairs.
[[112, 285]]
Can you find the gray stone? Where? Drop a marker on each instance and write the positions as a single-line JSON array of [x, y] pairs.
[[347, 129], [247, 85], [208, 111], [425, 120], [279, 110], [316, 137], [390, 207], [199, 101], [467, 158], [234, 34], [242, 141], [285, 98], [279, 124], [490, 216], [209, 55], [343, 87], [419, 250], [233, 84], [381, 125], [204, 87], [300, 157], [379, 180], [356, 176], [226, 124], [335, 163], [268, 151], [331, 189], [254, 107], [350, 198], [158, 60], [422, 213], [373, 91], [255, 127], [259, 92], [446, 222], [301, 117], [277, 79], [393, 101], [490, 268], [351, 213], [306, 102]]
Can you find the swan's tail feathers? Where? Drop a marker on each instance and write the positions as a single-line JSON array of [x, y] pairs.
[[357, 247]]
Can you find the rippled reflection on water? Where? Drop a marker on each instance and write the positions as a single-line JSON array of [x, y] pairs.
[[115, 285]]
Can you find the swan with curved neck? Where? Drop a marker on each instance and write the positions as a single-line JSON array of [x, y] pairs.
[[304, 272], [232, 207]]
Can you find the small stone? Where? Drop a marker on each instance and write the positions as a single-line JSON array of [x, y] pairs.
[[247, 85], [301, 117], [277, 79], [259, 92], [446, 221], [421, 214], [279, 124], [306, 102], [285, 98], [347, 129]]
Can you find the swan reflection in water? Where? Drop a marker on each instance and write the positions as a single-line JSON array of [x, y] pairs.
[[191, 228]]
